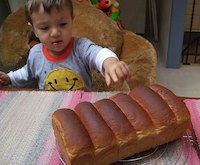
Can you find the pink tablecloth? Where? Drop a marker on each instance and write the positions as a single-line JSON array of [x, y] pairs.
[[26, 135], [194, 108]]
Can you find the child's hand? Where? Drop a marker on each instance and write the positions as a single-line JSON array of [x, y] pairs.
[[116, 71], [4, 79]]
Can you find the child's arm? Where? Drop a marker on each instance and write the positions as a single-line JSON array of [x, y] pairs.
[[4, 79], [115, 70], [17, 78]]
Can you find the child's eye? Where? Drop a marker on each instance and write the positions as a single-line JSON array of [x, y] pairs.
[[44, 28], [63, 24]]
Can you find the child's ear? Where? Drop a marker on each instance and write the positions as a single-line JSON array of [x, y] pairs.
[[30, 25], [32, 28]]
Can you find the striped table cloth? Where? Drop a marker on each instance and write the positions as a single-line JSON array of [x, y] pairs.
[[26, 135]]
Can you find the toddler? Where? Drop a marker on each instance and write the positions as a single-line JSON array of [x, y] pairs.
[[61, 61]]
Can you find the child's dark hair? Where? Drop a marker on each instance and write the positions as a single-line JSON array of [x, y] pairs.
[[34, 5]]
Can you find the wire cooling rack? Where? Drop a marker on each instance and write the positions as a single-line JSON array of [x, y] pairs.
[[171, 153]]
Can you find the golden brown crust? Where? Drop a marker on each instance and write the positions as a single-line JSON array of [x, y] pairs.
[[176, 104], [133, 111], [74, 136], [115, 119], [114, 128], [121, 127], [154, 105], [101, 135]]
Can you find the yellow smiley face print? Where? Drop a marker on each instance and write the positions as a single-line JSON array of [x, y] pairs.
[[63, 79]]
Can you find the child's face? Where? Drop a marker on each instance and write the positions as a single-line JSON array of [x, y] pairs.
[[53, 29]]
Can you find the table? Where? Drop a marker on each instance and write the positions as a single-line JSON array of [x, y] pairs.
[[26, 132]]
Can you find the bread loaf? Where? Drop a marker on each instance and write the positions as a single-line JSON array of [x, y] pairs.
[[111, 129]]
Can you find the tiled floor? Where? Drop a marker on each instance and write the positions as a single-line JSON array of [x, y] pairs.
[[183, 82]]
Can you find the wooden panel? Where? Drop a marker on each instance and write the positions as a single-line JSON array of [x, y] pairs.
[[196, 16]]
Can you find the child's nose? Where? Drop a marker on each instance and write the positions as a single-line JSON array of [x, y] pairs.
[[55, 32]]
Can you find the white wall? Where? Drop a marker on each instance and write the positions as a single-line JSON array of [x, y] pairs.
[[15, 4]]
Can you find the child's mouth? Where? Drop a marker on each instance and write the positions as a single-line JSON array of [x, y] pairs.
[[56, 42]]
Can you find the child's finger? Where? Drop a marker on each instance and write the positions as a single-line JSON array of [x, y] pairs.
[[126, 71], [108, 79], [120, 74]]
